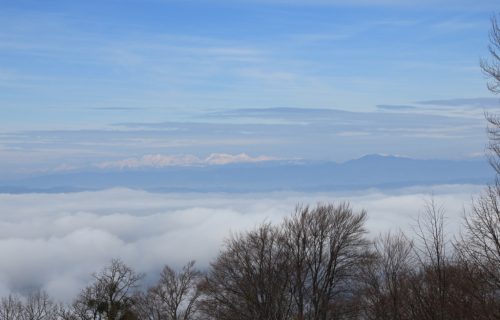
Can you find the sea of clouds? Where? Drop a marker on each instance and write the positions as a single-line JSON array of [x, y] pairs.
[[56, 241]]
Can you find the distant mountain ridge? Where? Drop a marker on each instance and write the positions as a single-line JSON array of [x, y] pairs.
[[370, 171]]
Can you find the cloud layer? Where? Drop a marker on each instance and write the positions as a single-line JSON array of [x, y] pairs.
[[56, 241]]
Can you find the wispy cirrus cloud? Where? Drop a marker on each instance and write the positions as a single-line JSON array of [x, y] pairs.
[[458, 107], [484, 102], [362, 3], [127, 62], [117, 108], [396, 107]]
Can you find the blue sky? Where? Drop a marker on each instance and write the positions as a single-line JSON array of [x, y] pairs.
[[75, 74]]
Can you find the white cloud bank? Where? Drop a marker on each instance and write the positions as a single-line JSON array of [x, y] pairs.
[[56, 241], [160, 161]]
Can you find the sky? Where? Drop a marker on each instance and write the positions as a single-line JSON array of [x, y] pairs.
[[87, 82], [128, 85], [89, 63]]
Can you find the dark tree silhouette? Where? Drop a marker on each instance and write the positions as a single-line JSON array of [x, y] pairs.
[[249, 279], [111, 296], [491, 66], [174, 297], [326, 246], [11, 308]]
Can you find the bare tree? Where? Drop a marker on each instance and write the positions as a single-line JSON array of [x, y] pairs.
[[249, 279], [429, 230], [10, 308], [386, 278], [430, 283], [479, 245], [325, 246], [39, 306], [111, 296], [88, 305], [481, 241], [65, 312], [491, 67], [174, 297]]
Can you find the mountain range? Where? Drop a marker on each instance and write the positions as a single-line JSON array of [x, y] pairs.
[[371, 171]]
